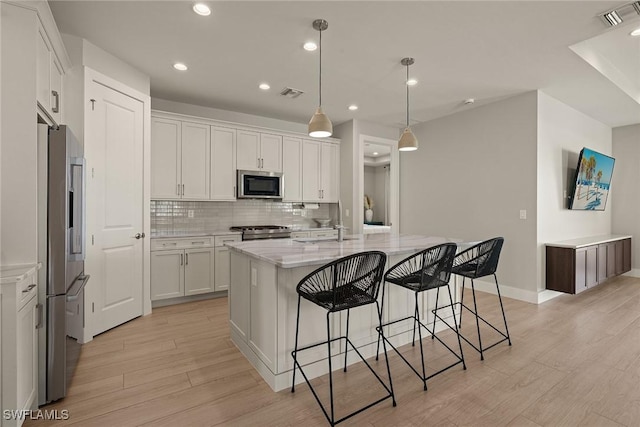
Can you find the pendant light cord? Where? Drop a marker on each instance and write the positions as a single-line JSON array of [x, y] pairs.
[[320, 73], [407, 84]]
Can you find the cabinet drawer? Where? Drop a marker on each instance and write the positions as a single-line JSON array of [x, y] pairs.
[[170, 244], [324, 233], [221, 240]]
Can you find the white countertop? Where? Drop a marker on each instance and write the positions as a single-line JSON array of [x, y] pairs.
[[16, 273], [178, 234], [289, 253], [588, 241]]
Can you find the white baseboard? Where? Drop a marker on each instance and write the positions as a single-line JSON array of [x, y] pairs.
[[517, 293], [633, 273]]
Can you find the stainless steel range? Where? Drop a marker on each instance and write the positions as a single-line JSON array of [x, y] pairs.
[[257, 232]]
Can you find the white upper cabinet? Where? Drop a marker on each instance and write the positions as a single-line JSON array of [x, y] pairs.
[[196, 157], [248, 154], [49, 74], [311, 191], [292, 168], [259, 151], [166, 137], [180, 160], [223, 160], [321, 167], [270, 152]]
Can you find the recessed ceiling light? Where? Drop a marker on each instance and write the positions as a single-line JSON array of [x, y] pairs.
[[375, 153], [310, 46], [264, 86], [636, 32], [180, 66], [353, 107], [412, 82], [201, 9]]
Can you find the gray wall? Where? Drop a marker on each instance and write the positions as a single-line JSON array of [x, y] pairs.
[[473, 173], [625, 186], [562, 133]]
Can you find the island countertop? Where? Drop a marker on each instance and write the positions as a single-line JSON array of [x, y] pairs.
[[292, 253]]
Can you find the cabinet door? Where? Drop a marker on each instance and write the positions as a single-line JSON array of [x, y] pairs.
[[591, 273], [602, 262], [165, 159], [619, 254], [626, 255], [248, 150], [43, 62], [196, 157], [270, 152], [198, 271], [581, 270], [292, 169], [223, 268], [56, 90], [311, 171], [330, 173], [167, 278], [223, 163], [27, 356], [611, 259]]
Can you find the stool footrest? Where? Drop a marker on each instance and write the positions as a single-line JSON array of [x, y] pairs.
[[347, 341], [476, 348]]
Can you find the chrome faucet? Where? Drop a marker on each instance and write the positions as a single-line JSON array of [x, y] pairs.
[[340, 225]]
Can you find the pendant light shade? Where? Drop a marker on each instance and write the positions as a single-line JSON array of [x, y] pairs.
[[320, 126], [408, 141]]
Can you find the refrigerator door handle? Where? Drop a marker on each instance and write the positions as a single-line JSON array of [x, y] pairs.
[[40, 311], [77, 287]]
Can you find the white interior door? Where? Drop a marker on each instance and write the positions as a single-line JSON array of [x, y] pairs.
[[114, 154]]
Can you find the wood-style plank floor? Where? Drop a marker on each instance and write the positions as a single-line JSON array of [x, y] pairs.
[[575, 360]]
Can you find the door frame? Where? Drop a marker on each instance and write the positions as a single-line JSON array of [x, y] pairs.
[[394, 184], [92, 76]]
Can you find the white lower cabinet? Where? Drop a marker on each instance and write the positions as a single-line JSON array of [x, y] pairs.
[[190, 266], [19, 369]]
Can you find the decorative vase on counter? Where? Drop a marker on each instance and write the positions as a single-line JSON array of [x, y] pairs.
[[368, 215]]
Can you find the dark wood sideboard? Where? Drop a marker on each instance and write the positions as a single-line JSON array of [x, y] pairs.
[[577, 265]]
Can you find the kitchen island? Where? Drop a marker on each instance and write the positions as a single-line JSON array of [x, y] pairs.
[[263, 302]]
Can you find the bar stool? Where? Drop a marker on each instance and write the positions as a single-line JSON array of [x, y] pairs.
[[346, 283], [478, 261], [423, 271]]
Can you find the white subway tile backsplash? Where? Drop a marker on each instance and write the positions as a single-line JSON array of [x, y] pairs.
[[172, 216]]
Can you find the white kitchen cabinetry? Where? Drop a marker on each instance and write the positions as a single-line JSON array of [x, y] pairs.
[[180, 160], [19, 340], [223, 262], [320, 165], [259, 151], [320, 233], [181, 267], [49, 74], [223, 163], [292, 168]]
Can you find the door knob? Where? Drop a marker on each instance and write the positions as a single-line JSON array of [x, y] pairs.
[[139, 236]]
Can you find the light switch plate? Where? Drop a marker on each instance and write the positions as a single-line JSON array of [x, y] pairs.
[[190, 213], [523, 214]]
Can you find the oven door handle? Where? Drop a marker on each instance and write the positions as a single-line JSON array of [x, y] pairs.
[[77, 287]]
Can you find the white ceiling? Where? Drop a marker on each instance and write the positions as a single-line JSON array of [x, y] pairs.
[[477, 49]]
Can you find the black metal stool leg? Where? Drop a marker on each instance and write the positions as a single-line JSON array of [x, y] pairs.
[[461, 303], [415, 316], [295, 350], [417, 319], [475, 309], [386, 357], [433, 330], [346, 347], [330, 369], [380, 307], [453, 312], [506, 328]]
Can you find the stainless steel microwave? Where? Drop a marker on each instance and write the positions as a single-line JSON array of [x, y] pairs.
[[260, 185]]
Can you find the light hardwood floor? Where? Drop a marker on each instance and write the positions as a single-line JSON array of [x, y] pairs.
[[575, 360]]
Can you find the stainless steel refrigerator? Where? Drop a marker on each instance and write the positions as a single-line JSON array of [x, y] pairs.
[[62, 252]]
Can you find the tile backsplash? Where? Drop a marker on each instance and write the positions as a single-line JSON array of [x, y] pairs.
[[173, 216]]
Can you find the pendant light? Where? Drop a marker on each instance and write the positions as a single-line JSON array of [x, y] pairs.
[[408, 141], [320, 126]]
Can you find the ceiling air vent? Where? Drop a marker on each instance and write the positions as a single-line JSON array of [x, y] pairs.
[[616, 16], [290, 92]]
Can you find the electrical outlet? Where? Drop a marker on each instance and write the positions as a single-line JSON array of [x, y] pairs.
[[346, 213], [190, 213], [523, 214]]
